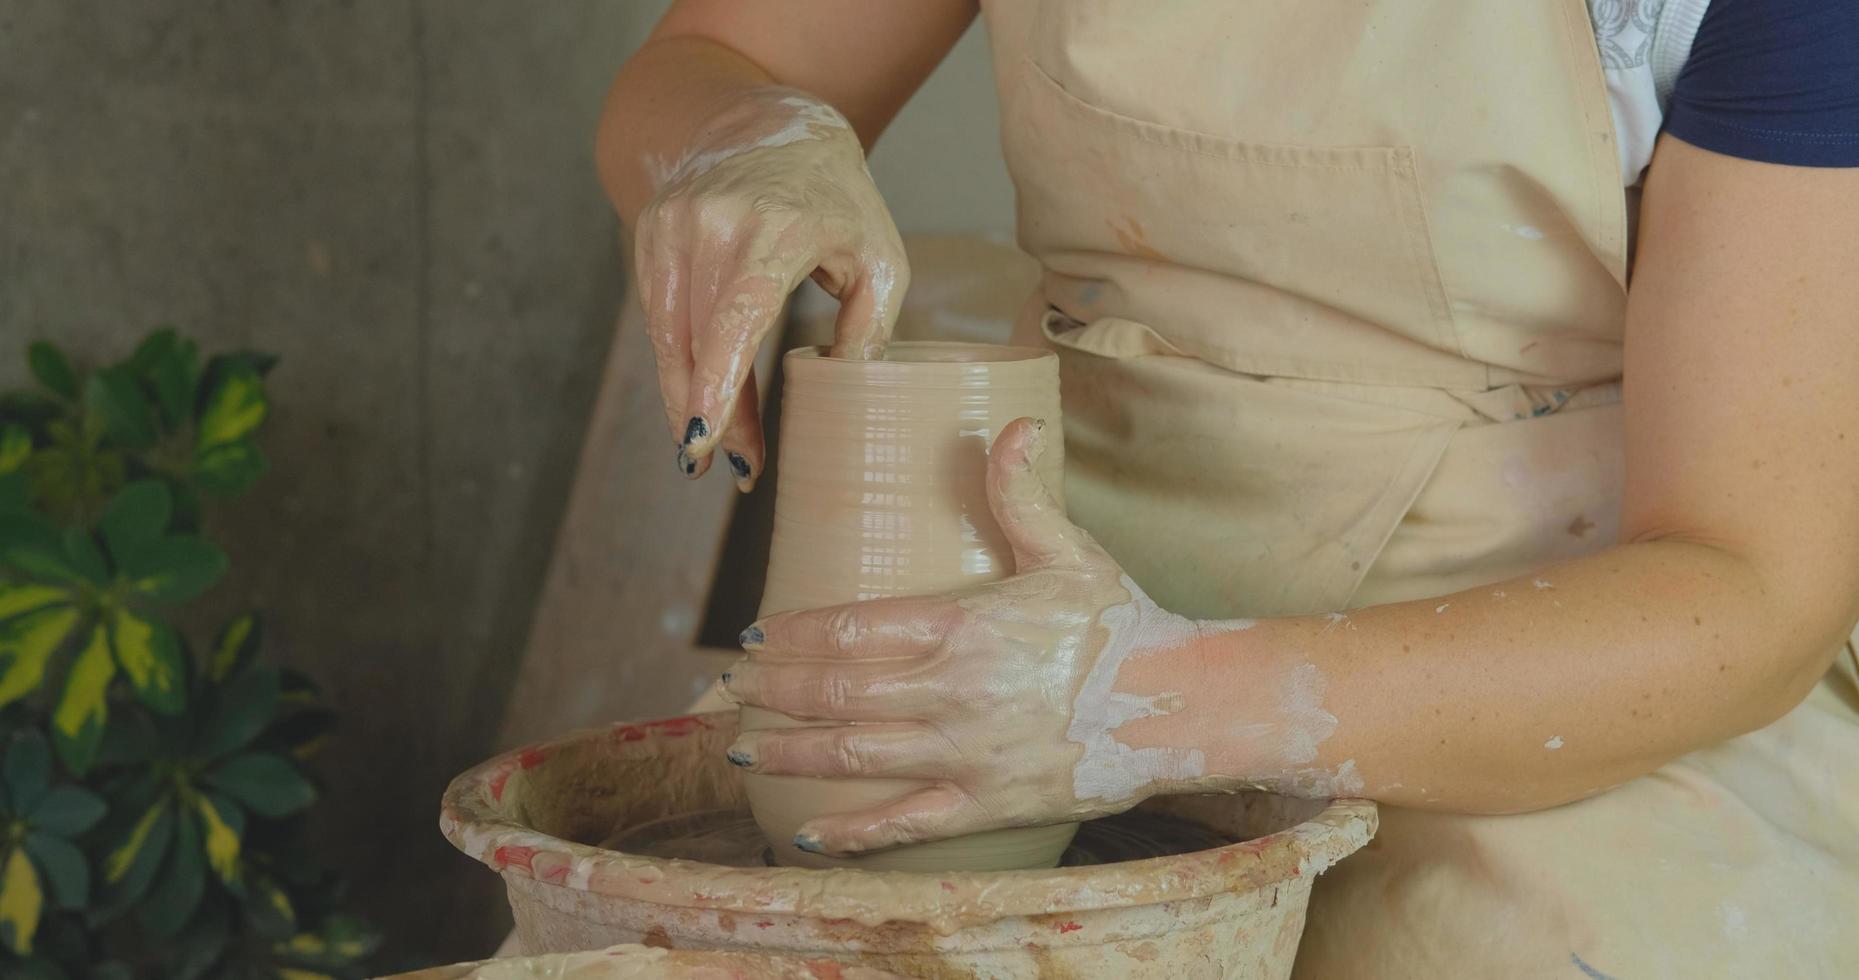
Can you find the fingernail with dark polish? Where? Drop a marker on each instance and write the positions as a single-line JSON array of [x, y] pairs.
[[739, 463], [809, 843], [686, 465], [751, 637], [739, 758], [695, 429]]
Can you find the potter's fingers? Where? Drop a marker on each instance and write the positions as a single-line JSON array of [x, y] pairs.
[[870, 285], [876, 629], [889, 690], [765, 269], [659, 267], [851, 751], [933, 813], [742, 441], [1034, 524]]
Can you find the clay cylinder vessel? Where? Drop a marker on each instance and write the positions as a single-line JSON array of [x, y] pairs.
[[882, 492]]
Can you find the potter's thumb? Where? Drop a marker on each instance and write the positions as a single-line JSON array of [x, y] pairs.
[[1028, 514]]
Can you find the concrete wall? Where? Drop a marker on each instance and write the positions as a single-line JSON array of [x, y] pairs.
[[398, 198]]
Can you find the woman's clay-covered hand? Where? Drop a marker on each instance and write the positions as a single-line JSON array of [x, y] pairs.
[[1004, 696], [773, 188]]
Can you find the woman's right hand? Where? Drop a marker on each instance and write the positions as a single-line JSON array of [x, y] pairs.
[[772, 189]]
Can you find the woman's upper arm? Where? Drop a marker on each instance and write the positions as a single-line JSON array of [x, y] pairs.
[[864, 58], [1742, 375]]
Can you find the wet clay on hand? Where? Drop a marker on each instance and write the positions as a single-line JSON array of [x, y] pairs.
[[883, 493], [773, 189]]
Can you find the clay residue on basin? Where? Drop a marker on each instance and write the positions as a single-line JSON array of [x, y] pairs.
[[634, 962], [733, 839], [537, 812]]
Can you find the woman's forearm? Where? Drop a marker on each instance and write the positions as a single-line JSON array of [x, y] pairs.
[[1511, 697], [658, 101], [862, 59]]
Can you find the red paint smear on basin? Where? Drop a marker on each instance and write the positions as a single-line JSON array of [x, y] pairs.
[[1064, 927], [513, 856], [502, 776], [825, 971], [672, 727], [526, 759]]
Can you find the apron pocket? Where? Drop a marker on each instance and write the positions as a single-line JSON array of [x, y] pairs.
[[1265, 216], [1226, 495]]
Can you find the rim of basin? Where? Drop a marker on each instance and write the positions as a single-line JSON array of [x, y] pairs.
[[480, 815]]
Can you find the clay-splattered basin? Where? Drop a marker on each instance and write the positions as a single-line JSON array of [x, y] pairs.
[[634, 962], [1235, 911]]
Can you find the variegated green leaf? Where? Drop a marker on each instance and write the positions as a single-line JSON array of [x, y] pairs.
[[138, 513], [15, 446], [68, 810], [241, 709], [131, 864], [170, 365], [21, 901], [222, 826], [83, 709], [113, 397], [238, 641], [142, 841], [234, 408], [279, 900], [61, 864], [271, 785], [178, 888], [26, 644], [229, 469], [172, 568], [24, 597], [35, 546], [151, 658], [82, 552], [268, 910], [340, 939]]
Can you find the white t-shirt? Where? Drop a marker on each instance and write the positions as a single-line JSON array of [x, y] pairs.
[[1644, 44]]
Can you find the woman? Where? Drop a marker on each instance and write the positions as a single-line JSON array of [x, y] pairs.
[[1341, 299]]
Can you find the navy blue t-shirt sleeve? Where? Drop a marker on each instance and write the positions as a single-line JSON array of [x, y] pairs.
[[1773, 80]]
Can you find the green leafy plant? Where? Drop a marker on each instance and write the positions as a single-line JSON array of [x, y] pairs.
[[151, 800], [40, 821]]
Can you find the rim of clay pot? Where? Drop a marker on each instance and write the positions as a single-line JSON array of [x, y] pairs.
[[475, 816], [926, 353]]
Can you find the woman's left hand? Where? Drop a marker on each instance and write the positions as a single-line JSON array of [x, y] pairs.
[[1002, 696]]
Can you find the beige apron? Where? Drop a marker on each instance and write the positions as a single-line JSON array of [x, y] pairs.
[[1338, 293]]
